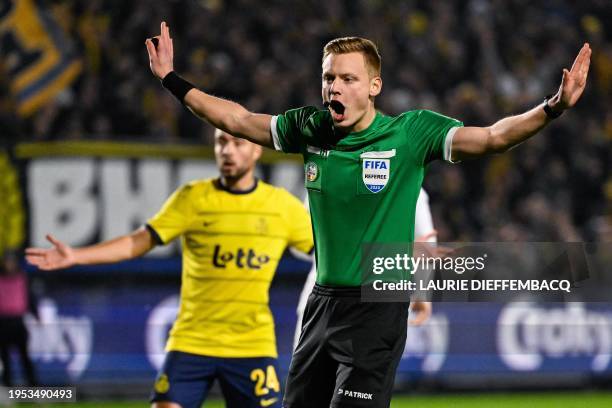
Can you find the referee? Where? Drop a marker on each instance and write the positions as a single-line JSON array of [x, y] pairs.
[[363, 174]]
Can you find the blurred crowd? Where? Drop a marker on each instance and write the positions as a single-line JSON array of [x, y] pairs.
[[473, 60]]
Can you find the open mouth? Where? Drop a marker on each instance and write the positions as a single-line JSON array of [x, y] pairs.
[[336, 109]]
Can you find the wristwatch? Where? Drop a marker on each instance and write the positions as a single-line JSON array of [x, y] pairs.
[[549, 112]]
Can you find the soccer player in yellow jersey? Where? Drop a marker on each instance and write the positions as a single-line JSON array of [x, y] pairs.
[[233, 230]]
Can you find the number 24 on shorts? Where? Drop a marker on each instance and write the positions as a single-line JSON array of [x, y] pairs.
[[265, 381]]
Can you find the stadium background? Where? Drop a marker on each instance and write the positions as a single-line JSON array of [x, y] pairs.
[[98, 145]]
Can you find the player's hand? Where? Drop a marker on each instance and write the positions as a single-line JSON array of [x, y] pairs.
[[426, 237], [59, 257], [421, 310], [431, 249], [573, 81], [161, 54]]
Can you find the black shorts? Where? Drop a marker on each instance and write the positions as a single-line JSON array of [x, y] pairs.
[[348, 351]]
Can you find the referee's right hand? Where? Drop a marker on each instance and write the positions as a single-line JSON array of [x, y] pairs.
[[59, 257], [161, 52]]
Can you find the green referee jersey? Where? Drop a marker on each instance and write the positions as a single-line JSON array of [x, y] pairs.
[[363, 187]]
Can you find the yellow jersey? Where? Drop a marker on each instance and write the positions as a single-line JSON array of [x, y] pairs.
[[232, 243]]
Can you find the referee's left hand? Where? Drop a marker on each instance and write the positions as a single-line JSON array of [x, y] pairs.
[[421, 311]]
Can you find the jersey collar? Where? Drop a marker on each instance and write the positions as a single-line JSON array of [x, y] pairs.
[[354, 139], [221, 186]]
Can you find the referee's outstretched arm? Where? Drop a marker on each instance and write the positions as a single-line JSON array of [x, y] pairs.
[[479, 141], [226, 115]]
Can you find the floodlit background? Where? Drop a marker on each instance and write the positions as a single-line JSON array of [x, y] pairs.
[[92, 145]]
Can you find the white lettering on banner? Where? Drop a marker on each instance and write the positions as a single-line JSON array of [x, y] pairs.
[[189, 170], [83, 200], [60, 338], [61, 200], [527, 334], [429, 342], [159, 322], [125, 206]]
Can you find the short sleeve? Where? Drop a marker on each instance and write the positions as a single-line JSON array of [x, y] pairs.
[[428, 132], [173, 218], [300, 228], [288, 129]]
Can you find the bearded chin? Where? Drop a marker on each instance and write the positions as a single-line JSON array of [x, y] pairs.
[[236, 175]]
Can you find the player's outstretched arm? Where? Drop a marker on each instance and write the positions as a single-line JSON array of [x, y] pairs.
[[222, 114], [479, 141], [62, 256]]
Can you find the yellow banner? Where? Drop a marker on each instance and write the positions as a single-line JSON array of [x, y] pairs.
[[35, 54]]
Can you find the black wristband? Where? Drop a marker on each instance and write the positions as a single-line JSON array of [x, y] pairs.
[[549, 112], [176, 85]]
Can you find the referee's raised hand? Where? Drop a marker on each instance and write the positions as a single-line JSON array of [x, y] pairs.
[[573, 81], [160, 52]]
